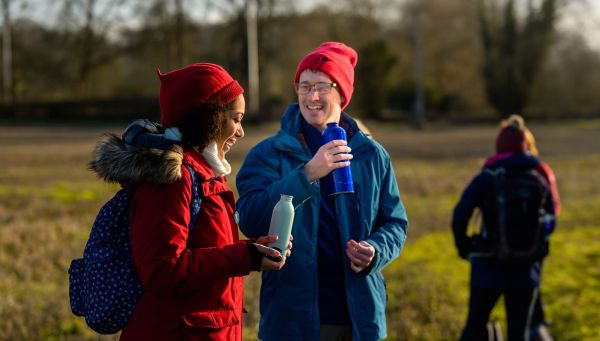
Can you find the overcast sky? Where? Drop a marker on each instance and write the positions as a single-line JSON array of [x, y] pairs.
[[585, 18], [581, 15]]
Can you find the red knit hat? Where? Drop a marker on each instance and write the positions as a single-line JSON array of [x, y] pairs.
[[184, 90], [511, 138], [337, 60]]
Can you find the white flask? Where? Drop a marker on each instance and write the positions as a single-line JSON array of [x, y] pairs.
[[281, 223]]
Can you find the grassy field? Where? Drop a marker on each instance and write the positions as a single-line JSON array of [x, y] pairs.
[[48, 200]]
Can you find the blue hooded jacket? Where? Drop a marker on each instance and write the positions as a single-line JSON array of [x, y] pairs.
[[289, 304]]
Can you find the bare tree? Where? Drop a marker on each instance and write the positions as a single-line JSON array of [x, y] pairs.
[[179, 31], [7, 67], [246, 14], [91, 22], [87, 43], [417, 42], [253, 71]]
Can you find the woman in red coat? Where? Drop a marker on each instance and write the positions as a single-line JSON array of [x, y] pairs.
[[193, 281]]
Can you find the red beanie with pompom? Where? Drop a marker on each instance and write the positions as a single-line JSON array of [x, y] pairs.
[[511, 138]]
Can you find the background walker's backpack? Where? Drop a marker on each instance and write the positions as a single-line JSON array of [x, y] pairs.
[[517, 229], [104, 286]]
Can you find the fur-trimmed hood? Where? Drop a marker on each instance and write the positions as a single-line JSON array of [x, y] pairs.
[[116, 161]]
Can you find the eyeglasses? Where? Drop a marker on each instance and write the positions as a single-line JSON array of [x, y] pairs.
[[322, 88]]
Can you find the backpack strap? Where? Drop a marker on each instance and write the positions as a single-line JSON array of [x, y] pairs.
[[501, 204], [197, 195], [498, 197]]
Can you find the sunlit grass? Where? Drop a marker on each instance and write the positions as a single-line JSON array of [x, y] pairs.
[[428, 288], [48, 200]]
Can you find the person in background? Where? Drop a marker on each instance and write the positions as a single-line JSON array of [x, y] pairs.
[[332, 287], [531, 147], [491, 278], [193, 280], [539, 325]]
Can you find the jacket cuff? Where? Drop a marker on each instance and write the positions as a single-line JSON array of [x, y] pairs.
[[255, 257]]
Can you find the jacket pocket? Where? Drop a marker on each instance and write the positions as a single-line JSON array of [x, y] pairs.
[[217, 318]]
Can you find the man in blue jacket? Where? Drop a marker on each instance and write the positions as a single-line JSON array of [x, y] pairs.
[[332, 288]]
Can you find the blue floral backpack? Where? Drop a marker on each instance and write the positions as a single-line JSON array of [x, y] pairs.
[[104, 286]]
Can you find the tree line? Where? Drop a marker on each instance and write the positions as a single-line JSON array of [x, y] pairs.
[[430, 58]]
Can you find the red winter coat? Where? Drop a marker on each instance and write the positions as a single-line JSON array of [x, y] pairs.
[[193, 284]]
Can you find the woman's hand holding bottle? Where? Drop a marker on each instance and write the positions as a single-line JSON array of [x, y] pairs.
[[273, 259]]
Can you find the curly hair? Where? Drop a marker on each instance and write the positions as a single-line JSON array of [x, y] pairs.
[[203, 124]]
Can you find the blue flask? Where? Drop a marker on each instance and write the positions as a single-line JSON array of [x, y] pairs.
[[340, 178]]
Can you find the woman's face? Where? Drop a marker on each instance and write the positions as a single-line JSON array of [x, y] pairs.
[[317, 108], [232, 126]]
